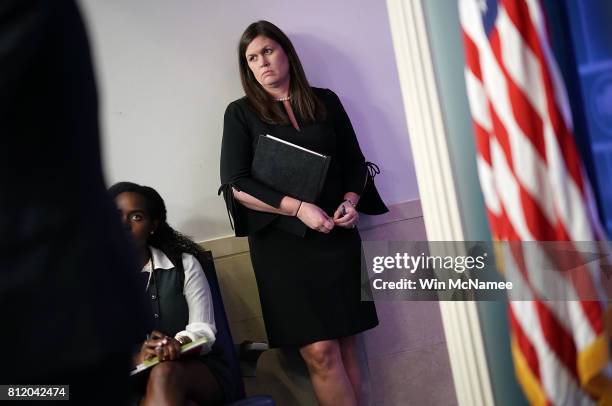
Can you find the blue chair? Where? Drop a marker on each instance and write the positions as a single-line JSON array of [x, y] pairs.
[[249, 351]]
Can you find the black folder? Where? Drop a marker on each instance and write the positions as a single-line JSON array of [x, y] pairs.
[[289, 168]]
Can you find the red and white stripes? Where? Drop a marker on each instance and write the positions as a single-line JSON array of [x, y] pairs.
[[535, 189]]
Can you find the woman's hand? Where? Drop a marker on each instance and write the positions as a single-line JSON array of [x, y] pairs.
[[314, 217], [148, 349], [160, 345], [171, 350], [346, 216]]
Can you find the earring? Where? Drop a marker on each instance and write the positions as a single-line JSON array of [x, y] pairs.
[[152, 231]]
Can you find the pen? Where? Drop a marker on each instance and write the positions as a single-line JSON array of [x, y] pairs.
[[159, 345]]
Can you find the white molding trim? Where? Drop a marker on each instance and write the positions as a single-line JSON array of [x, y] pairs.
[[409, 209], [226, 246], [441, 212]]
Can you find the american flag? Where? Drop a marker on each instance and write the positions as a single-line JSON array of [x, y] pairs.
[[535, 189]]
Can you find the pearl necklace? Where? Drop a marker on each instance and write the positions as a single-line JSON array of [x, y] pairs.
[[283, 99]]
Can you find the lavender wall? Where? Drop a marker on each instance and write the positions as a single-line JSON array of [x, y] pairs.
[[166, 73]]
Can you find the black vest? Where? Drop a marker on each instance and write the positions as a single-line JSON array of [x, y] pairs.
[[169, 309], [168, 304], [170, 314]]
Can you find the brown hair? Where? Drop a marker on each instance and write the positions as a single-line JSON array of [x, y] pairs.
[[303, 99]]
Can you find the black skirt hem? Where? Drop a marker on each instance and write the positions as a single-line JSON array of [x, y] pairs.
[[302, 343]]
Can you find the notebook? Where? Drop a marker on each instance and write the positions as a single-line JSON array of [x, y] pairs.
[[192, 348], [289, 168]]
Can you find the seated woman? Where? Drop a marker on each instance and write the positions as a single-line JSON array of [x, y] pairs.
[[181, 305]]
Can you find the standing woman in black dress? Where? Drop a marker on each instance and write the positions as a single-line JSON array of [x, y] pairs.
[[309, 283]]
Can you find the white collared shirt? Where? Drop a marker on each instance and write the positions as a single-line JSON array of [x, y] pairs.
[[197, 294]]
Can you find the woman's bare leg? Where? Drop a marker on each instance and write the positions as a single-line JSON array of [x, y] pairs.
[[174, 382], [331, 384], [348, 350]]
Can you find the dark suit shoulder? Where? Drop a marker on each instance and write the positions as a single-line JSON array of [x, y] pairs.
[[242, 101], [327, 96], [242, 109], [322, 92], [236, 106]]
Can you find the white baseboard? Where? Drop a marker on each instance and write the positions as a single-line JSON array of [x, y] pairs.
[[226, 246], [397, 212]]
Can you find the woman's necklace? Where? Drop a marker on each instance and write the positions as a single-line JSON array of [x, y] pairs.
[[284, 98]]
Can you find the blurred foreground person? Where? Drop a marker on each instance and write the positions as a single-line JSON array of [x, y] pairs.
[[65, 319]]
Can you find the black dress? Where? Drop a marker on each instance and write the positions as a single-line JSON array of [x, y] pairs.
[[310, 286]]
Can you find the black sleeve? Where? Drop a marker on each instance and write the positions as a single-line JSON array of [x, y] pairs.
[[237, 156], [349, 153]]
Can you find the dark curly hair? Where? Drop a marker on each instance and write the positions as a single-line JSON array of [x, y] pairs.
[[165, 238]]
